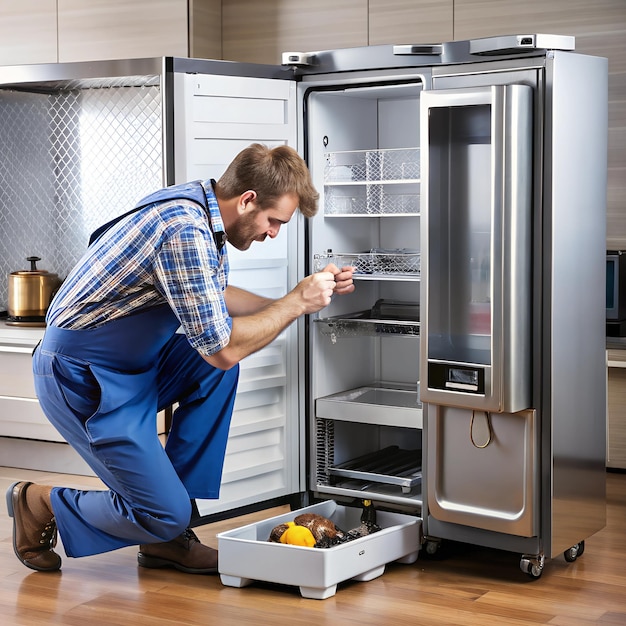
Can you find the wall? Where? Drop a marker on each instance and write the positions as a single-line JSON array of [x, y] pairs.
[[275, 26], [79, 157]]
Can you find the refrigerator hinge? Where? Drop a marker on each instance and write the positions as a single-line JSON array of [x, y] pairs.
[[298, 59]]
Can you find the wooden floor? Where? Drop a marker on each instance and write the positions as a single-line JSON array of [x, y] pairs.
[[463, 585]]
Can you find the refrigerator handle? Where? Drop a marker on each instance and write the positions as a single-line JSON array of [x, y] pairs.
[[512, 245]]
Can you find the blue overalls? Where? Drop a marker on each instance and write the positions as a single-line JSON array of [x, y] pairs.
[[102, 388]]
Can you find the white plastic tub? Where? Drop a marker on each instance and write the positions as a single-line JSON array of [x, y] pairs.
[[246, 555]]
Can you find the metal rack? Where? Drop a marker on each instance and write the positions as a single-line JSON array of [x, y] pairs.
[[377, 263], [372, 182], [365, 166], [390, 466], [362, 324]]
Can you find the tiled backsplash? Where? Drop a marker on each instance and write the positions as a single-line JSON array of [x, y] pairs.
[[71, 158]]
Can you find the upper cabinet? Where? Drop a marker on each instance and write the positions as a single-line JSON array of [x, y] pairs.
[[410, 21], [272, 27], [50, 31], [118, 29], [28, 32]]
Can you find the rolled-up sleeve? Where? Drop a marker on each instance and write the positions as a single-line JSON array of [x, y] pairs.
[[189, 273]]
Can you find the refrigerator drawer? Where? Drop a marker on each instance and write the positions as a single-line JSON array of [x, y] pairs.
[[482, 469], [378, 403], [246, 554]]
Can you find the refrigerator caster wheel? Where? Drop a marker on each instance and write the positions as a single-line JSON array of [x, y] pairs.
[[532, 564], [574, 552], [432, 547]]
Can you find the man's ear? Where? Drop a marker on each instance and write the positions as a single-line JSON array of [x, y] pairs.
[[245, 198]]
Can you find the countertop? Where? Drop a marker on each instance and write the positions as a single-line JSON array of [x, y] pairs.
[[30, 336], [616, 343], [19, 338]]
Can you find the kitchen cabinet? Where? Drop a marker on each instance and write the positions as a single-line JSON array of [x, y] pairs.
[[47, 31], [273, 27], [410, 21], [616, 414], [28, 31], [27, 439]]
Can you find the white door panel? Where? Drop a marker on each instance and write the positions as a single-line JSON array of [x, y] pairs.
[[217, 117]]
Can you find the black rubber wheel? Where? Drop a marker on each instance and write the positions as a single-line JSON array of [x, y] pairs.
[[574, 552]]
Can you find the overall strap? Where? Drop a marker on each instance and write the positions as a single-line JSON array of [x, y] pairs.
[[192, 192]]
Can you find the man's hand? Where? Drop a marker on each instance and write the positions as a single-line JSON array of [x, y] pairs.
[[343, 279], [315, 291], [259, 320]]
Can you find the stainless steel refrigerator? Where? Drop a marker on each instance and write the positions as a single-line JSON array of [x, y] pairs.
[[464, 380]]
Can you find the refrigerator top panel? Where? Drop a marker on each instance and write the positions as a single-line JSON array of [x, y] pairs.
[[54, 77], [414, 55]]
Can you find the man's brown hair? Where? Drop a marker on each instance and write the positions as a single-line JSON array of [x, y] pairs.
[[272, 173]]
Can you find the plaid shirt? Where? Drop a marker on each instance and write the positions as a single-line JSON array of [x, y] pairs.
[[164, 253]]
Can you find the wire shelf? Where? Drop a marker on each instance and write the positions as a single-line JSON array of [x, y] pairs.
[[372, 165], [370, 201], [391, 465], [400, 261], [362, 324]]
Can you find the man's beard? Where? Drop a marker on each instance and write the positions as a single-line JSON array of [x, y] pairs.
[[244, 231]]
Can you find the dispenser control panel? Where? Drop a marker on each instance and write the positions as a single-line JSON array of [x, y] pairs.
[[456, 377]]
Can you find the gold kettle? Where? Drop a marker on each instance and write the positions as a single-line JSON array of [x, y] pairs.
[[30, 293]]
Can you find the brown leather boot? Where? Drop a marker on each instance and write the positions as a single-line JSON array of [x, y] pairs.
[[34, 528], [185, 553]]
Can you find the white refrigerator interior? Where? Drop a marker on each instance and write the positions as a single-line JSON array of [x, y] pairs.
[[362, 149]]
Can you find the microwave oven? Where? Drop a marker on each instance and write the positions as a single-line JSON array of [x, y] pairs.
[[616, 293]]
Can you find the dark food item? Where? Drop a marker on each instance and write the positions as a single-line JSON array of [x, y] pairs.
[[277, 532], [324, 531], [367, 527], [321, 527]]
